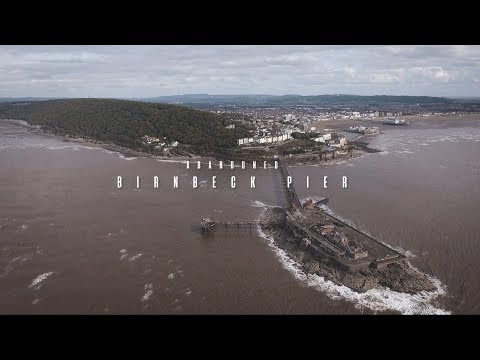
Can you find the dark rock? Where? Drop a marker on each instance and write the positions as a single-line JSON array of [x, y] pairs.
[[312, 267], [298, 256]]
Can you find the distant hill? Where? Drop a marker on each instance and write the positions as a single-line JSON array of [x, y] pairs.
[[24, 99], [124, 122], [322, 100], [205, 99]]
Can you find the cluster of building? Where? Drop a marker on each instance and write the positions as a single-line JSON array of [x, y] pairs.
[[353, 248], [270, 125], [332, 234], [265, 139], [323, 138], [364, 129], [158, 143], [335, 142]]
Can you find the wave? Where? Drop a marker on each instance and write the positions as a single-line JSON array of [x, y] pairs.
[[148, 293], [121, 156], [260, 204], [173, 161], [124, 254], [135, 257], [40, 278]]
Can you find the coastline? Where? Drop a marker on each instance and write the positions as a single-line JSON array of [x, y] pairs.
[[361, 148], [98, 144]]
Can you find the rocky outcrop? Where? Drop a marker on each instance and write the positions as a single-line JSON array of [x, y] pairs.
[[274, 218], [401, 277], [312, 267], [298, 256]]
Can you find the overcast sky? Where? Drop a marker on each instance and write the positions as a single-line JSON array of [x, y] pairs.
[[148, 71]]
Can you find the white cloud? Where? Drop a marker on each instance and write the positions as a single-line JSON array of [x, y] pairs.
[[435, 73], [384, 78], [144, 71]]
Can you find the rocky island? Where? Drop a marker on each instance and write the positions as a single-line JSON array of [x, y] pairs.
[[327, 246]]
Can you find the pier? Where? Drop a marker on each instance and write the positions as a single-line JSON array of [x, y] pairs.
[[316, 239], [209, 226], [242, 224], [292, 194]]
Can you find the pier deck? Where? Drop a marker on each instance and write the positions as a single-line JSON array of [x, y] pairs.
[[312, 220], [292, 194], [212, 226]]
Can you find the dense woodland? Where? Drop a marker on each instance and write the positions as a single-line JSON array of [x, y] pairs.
[[124, 122]]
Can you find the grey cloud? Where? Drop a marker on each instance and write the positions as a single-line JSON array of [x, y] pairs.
[[145, 71]]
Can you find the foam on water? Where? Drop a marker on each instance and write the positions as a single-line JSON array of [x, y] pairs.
[[174, 161], [148, 293], [260, 204], [126, 157], [40, 278], [124, 254], [135, 257]]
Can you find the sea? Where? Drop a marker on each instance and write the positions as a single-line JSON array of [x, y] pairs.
[[72, 242]]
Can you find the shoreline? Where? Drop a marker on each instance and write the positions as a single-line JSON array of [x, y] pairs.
[[361, 149], [97, 143]]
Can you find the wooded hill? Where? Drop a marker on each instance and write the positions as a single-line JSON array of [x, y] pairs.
[[124, 122]]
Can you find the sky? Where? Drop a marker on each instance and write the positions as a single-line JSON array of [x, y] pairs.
[[149, 71]]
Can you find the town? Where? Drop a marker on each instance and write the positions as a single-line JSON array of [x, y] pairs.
[[303, 130]]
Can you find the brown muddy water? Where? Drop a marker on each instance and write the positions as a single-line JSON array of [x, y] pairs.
[[71, 242]]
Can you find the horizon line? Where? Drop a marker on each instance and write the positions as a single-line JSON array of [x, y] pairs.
[[237, 94]]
